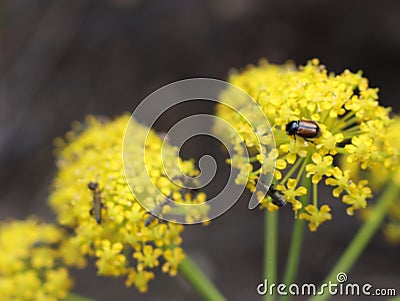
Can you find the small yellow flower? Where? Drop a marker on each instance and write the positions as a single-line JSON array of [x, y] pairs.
[[357, 196], [322, 167], [111, 261], [329, 142], [293, 150], [173, 258], [362, 149], [139, 279], [341, 179], [148, 257], [315, 216]]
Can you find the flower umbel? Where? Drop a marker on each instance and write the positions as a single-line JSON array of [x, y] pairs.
[[351, 122], [108, 221]]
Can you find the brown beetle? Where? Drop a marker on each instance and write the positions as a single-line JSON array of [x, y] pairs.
[[307, 129]]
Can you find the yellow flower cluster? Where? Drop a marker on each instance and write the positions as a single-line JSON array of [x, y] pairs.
[[91, 195], [30, 262], [391, 172], [351, 122], [382, 176]]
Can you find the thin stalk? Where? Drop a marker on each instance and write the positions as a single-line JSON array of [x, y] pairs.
[[361, 239], [301, 170], [348, 135], [352, 121], [324, 117], [199, 281], [348, 116], [270, 249], [315, 195], [292, 170], [341, 150], [292, 263]]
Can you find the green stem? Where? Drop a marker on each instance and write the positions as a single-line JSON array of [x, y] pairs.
[[75, 297], [347, 116], [347, 120], [270, 249], [292, 263], [303, 165], [352, 121], [349, 135], [271, 237], [199, 281], [292, 169], [363, 236], [315, 195], [341, 150], [294, 252]]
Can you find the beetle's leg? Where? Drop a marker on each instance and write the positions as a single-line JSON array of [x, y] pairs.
[[308, 140]]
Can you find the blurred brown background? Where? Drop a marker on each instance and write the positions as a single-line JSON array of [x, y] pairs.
[[62, 60]]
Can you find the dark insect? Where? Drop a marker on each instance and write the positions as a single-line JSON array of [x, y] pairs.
[[187, 186], [276, 196], [155, 213], [97, 201], [307, 129]]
